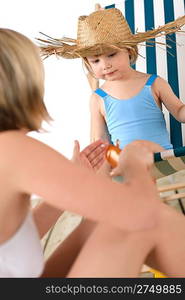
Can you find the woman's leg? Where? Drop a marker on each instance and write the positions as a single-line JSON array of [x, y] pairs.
[[45, 216], [59, 263], [168, 255], [109, 252]]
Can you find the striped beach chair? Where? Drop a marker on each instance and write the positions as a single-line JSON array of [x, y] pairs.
[[144, 15], [168, 63]]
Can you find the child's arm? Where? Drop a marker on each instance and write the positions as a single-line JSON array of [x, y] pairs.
[[174, 105], [98, 123], [99, 129]]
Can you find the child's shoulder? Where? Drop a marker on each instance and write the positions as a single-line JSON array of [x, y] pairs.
[[142, 74], [156, 81], [144, 77], [160, 82]]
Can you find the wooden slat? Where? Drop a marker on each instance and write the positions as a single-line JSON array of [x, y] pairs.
[[169, 187]]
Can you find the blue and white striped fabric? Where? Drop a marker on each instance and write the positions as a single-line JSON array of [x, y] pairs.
[[144, 15]]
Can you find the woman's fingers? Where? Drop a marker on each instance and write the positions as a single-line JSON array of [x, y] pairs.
[[151, 146], [92, 156], [95, 153], [94, 149], [98, 163], [76, 150]]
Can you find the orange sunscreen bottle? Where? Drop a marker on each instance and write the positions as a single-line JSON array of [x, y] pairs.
[[112, 155]]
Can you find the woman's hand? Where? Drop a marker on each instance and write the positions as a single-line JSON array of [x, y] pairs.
[[138, 154], [91, 156]]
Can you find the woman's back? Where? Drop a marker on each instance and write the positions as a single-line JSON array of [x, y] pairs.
[[13, 205], [18, 234]]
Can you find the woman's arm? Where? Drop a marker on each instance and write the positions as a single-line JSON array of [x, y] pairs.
[[91, 156], [35, 168]]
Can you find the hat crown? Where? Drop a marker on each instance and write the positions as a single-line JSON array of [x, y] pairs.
[[102, 27]]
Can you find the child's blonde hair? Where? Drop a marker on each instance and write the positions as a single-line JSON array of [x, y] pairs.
[[133, 55], [21, 83]]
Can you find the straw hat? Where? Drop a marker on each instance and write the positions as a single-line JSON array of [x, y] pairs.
[[101, 31]]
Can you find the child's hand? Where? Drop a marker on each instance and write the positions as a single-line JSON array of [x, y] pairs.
[[91, 156], [138, 154]]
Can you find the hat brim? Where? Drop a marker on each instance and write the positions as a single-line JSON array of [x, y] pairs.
[[60, 47], [95, 50]]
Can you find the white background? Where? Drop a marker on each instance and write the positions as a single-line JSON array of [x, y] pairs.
[[67, 90]]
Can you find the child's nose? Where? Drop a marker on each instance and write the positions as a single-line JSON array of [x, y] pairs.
[[107, 65]]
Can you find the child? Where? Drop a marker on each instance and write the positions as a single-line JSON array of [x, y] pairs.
[[128, 106]]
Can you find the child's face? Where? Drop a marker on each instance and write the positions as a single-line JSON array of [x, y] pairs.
[[110, 66]]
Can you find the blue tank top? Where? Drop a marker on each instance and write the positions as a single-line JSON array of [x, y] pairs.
[[136, 118]]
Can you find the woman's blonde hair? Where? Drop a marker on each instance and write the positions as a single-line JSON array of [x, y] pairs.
[[21, 83], [133, 55]]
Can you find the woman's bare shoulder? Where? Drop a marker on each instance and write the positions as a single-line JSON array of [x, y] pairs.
[[10, 139], [17, 145]]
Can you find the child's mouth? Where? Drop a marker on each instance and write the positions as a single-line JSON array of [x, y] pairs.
[[110, 74]]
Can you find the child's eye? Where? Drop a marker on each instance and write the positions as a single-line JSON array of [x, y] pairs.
[[112, 54], [95, 61]]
